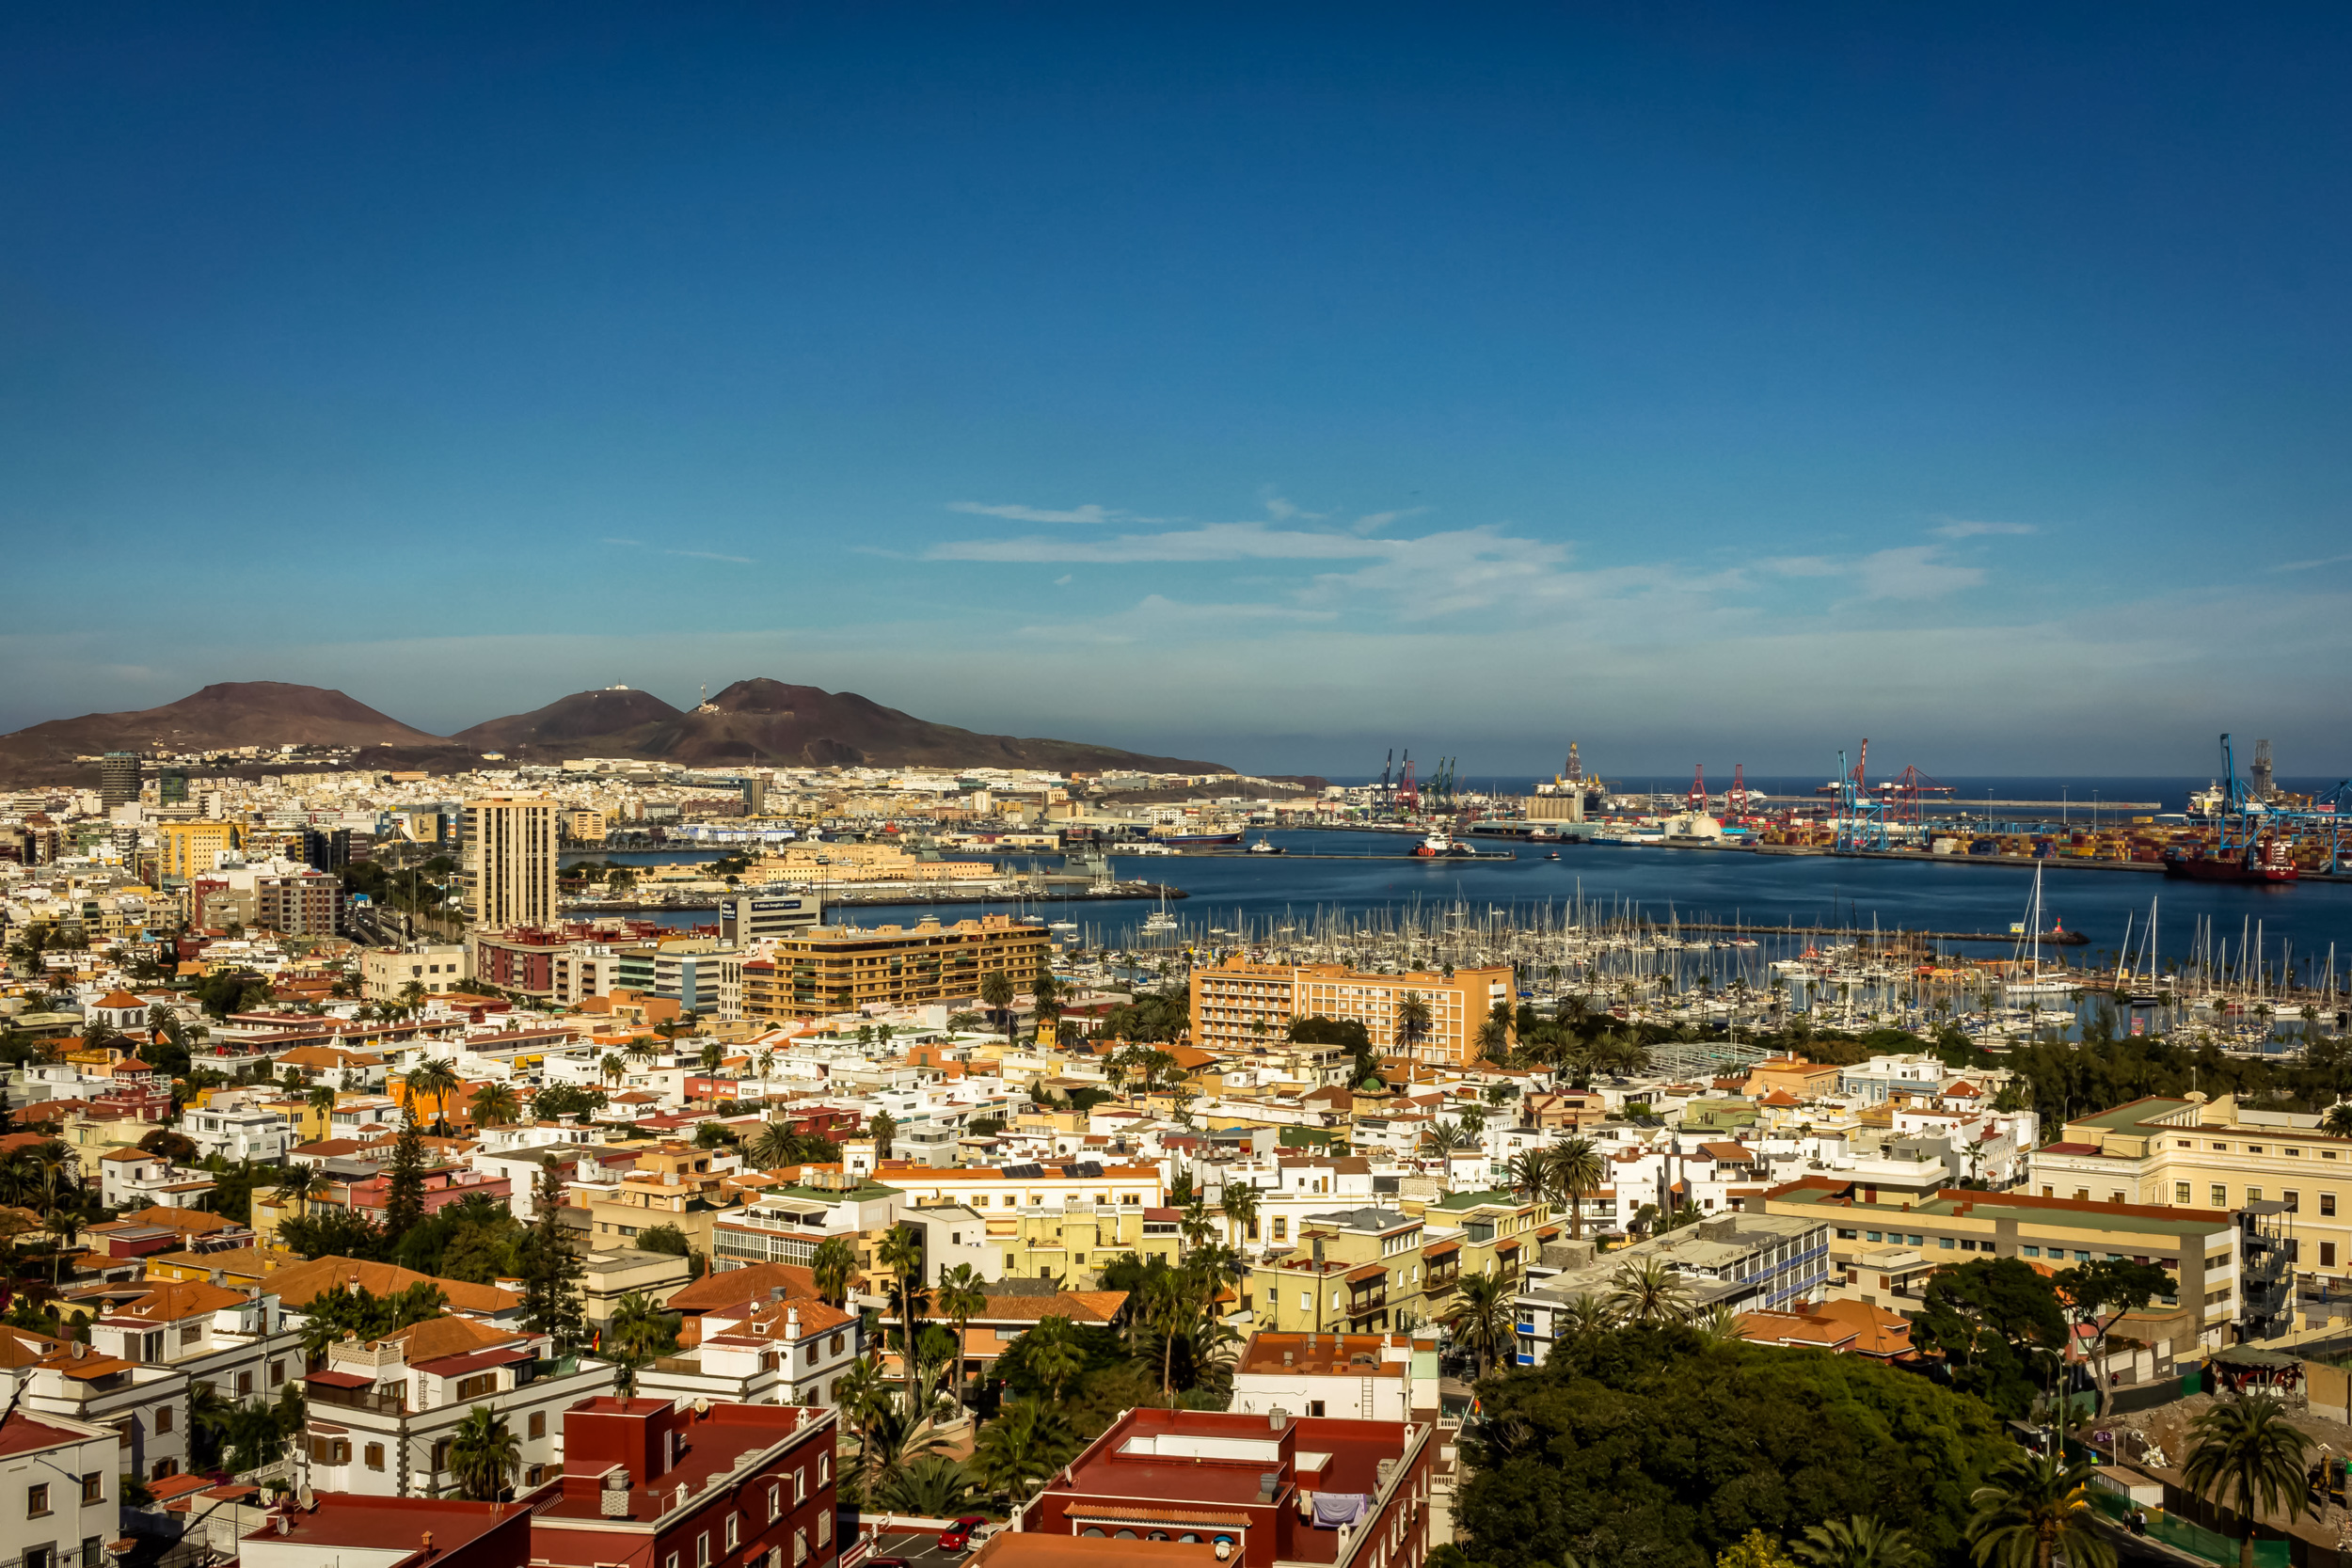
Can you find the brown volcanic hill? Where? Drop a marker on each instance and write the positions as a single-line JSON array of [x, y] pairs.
[[766, 721], [563, 724], [231, 713]]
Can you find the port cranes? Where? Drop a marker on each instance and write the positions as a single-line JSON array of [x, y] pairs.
[[1861, 817], [2251, 812]]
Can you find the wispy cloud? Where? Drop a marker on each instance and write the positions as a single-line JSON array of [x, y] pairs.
[[1961, 528], [639, 542], [713, 555], [1087, 513], [1914, 572], [1209, 542], [2312, 565], [1154, 614], [1372, 522]]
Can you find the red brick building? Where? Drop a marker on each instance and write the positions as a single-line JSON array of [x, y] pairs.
[[1274, 1489], [442, 1532], [648, 1485]]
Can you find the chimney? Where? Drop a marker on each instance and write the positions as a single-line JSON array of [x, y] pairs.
[[612, 1504], [792, 1323]]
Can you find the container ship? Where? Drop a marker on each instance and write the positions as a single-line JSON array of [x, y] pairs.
[[2263, 862]]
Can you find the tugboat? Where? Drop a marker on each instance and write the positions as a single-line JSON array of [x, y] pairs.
[[1263, 848], [1443, 846], [1554, 856]]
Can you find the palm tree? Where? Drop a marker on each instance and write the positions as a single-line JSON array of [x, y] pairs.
[[1054, 1353], [996, 991], [1588, 1315], [321, 1100], [2246, 1457], [493, 1105], [611, 1070], [1575, 1170], [2338, 1121], [639, 1328], [1860, 1541], [483, 1454], [1719, 1325], [962, 1295], [412, 995], [834, 1264], [772, 1146], [933, 1487], [1651, 1293], [301, 1184], [1484, 1323], [626, 1366], [1239, 1201], [901, 1253], [1527, 1173], [1023, 1445], [713, 1056], [2037, 1508], [436, 1076], [1412, 1021]]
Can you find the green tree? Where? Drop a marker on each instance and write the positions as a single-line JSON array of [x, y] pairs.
[[639, 1328], [551, 1271], [883, 1128], [403, 1197], [2246, 1456], [1053, 1352], [901, 1252], [482, 1453], [493, 1105], [2096, 1295], [2000, 1327], [1648, 1445], [1754, 1549], [1412, 1022], [1023, 1445], [436, 1077], [2034, 1510], [1649, 1293], [996, 991]]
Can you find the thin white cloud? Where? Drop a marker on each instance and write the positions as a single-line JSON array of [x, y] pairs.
[[1064, 581], [1209, 542], [1015, 513], [713, 555], [1372, 522], [1804, 566], [639, 542], [1961, 528], [2312, 565], [1914, 572]]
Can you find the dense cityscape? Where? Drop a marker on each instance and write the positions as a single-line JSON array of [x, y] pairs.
[[1046, 786]]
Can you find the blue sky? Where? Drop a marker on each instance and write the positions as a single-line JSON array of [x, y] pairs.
[[1272, 384]]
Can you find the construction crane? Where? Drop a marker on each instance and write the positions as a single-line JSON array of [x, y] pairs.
[[1408, 792], [1909, 790], [1861, 820], [1386, 802], [1735, 798], [1698, 789]]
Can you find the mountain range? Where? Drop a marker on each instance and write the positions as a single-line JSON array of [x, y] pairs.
[[751, 723]]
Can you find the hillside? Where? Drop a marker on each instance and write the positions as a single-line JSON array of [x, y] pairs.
[[749, 723], [766, 721], [228, 713]]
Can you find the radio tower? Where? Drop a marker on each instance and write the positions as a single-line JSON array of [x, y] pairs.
[[1736, 798], [1698, 789]]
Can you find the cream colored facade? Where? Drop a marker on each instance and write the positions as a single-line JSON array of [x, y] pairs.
[[1073, 1245], [508, 869], [384, 975], [1239, 1005], [2204, 1154]]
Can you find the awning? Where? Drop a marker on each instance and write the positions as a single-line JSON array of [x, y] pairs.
[[340, 1380]]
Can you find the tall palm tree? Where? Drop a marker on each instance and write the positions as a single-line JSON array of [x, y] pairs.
[[639, 1328], [774, 1146], [1484, 1322], [2338, 1121], [64, 1225], [901, 1253], [962, 1295], [2035, 1510], [1239, 1202], [996, 991], [1529, 1173], [1575, 1170], [321, 1099], [1588, 1315], [642, 1051], [611, 1070], [493, 1105], [2246, 1457], [835, 1265], [1649, 1293], [1054, 1353], [482, 1453], [1412, 1021], [301, 1184], [436, 1076], [1863, 1541]]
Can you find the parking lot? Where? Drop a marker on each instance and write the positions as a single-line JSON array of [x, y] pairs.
[[919, 1547]]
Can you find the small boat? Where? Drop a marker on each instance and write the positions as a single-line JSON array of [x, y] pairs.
[[1263, 848], [1554, 856]]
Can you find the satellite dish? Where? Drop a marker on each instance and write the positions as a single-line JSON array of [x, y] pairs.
[[305, 1498]]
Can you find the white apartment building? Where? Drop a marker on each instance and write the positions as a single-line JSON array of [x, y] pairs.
[[1370, 1377], [239, 1133], [383, 976], [789, 1352], [382, 1413], [58, 1498]]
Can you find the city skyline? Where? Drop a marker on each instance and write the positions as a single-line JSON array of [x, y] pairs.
[[1255, 389]]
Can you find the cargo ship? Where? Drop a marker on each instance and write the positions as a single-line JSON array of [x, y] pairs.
[[1197, 838], [1443, 846], [2265, 860]]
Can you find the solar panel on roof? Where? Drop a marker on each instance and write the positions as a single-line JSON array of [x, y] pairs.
[[1024, 1173], [1090, 1169]]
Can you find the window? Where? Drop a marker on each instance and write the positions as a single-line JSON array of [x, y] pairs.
[[800, 1547], [37, 1500], [1315, 1408], [2220, 1196], [538, 1423], [2253, 1195], [191, 1332], [1917, 1240], [41, 1557], [1847, 1235], [702, 1550], [775, 1504], [244, 1384], [800, 1486], [331, 1450], [735, 1531], [1945, 1242], [2327, 1255], [2082, 1258], [670, 1561], [374, 1454], [277, 1373], [833, 1346], [2028, 1252], [824, 1469], [94, 1487], [163, 1417], [2327, 1205], [2180, 1193], [1872, 1236], [478, 1386], [824, 1528], [1306, 1301], [2294, 1200]]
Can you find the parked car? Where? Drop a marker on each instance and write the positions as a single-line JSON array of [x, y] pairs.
[[963, 1534]]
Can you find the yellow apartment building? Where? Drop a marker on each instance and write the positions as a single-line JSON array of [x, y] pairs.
[[835, 969], [1355, 1271], [1073, 1245], [1239, 1005], [188, 850]]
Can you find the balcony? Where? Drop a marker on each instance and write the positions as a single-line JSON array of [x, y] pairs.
[[366, 1400]]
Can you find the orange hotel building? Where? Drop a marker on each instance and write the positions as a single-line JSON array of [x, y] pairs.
[[1239, 1005]]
